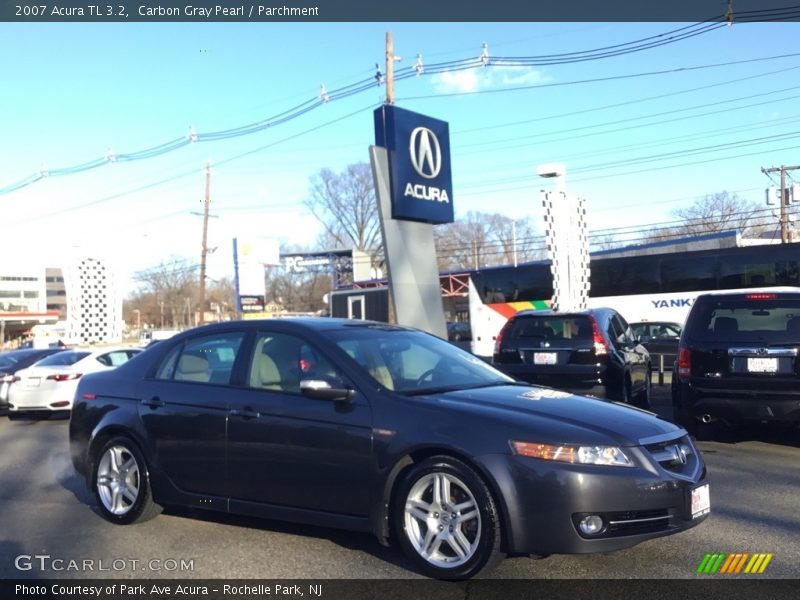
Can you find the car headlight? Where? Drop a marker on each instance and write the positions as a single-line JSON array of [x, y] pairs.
[[578, 455]]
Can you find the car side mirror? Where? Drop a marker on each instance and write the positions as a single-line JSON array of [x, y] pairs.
[[326, 389]]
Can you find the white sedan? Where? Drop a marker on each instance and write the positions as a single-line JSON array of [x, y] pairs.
[[50, 384]]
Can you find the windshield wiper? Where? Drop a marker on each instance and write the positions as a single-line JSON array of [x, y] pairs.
[[500, 383], [435, 390], [456, 388]]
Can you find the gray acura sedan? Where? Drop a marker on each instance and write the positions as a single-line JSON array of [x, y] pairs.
[[380, 428]]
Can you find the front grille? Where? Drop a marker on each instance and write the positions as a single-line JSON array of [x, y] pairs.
[[634, 522], [677, 455]]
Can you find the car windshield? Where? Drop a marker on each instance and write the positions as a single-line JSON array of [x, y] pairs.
[[7, 362], [765, 316], [62, 359], [656, 330], [413, 362]]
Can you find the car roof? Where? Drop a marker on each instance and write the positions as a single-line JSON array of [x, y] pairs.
[[307, 323], [738, 295], [567, 313]]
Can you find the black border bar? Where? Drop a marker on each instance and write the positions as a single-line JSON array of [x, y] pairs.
[[714, 587], [328, 11]]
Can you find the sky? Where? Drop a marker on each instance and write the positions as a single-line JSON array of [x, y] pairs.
[[641, 133]]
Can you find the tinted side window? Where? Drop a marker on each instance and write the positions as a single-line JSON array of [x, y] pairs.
[[114, 359], [167, 367], [208, 359], [634, 275], [615, 331], [681, 274], [510, 284], [281, 360]]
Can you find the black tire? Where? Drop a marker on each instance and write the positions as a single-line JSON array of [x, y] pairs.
[[478, 535], [642, 399], [624, 394], [122, 484]]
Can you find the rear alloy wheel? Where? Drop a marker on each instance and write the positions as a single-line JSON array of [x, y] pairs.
[[446, 519], [122, 487]]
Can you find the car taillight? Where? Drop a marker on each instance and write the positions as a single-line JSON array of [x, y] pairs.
[[89, 396], [761, 296], [684, 362], [600, 346], [9, 379], [64, 376], [499, 339]]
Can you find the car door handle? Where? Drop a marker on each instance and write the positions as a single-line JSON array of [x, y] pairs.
[[154, 402], [245, 413]]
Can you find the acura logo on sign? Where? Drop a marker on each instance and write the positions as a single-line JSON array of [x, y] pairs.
[[426, 155]]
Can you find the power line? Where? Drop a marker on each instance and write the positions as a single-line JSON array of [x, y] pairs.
[[340, 93]]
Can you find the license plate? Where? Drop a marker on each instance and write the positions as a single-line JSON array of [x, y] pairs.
[[33, 382], [701, 501], [544, 358], [762, 365]]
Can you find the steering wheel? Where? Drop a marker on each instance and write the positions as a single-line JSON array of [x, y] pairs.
[[427, 374]]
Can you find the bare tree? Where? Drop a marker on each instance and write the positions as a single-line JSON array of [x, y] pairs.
[[720, 212], [714, 213], [481, 239], [167, 296], [344, 203]]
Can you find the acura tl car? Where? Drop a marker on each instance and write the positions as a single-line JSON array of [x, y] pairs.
[[383, 429]]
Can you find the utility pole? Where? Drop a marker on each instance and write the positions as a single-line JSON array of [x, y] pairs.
[[204, 248], [389, 68], [783, 198]]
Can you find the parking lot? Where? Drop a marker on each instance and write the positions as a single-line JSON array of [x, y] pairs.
[[47, 512]]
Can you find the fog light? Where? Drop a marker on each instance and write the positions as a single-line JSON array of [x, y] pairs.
[[591, 524]]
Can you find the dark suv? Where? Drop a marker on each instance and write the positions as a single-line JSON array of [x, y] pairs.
[[590, 352], [737, 359]]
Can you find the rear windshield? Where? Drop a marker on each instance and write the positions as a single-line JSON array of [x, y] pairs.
[[569, 329], [62, 359], [772, 319]]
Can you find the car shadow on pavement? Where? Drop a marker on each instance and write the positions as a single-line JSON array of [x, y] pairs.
[[785, 434], [351, 540]]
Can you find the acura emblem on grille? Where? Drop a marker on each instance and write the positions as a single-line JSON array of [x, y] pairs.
[[678, 453]]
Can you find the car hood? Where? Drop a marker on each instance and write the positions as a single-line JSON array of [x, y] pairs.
[[559, 417]]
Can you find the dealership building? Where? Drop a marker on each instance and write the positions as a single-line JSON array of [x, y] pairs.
[[77, 301]]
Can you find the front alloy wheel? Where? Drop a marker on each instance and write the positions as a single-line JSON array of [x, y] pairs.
[[442, 520], [447, 519]]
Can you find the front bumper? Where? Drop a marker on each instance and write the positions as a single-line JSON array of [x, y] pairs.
[[545, 501]]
